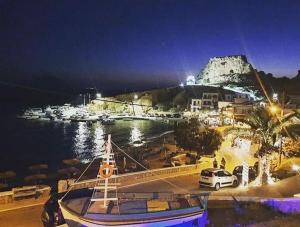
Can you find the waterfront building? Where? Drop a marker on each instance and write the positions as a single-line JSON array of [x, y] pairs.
[[196, 105]]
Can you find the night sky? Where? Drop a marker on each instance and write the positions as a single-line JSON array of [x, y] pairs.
[[145, 41]]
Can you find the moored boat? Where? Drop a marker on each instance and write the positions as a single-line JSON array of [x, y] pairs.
[[104, 206]]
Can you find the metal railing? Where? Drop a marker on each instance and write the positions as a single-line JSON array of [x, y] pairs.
[[129, 179]]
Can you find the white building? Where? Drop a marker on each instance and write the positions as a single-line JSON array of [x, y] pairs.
[[210, 100], [196, 105], [190, 80]]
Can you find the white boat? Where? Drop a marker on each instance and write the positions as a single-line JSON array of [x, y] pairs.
[[33, 113], [105, 207]]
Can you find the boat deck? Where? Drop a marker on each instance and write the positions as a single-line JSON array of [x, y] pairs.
[[83, 205]]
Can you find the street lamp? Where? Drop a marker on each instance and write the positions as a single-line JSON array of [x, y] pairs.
[[295, 168], [274, 109], [135, 96]]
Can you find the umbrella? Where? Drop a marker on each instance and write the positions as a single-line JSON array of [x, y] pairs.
[[68, 171], [2, 186], [71, 162], [38, 167], [7, 174], [35, 178]]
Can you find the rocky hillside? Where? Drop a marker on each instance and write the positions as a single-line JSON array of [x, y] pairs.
[[220, 70], [236, 73]]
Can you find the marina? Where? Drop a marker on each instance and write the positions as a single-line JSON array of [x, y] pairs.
[[67, 113], [52, 141]]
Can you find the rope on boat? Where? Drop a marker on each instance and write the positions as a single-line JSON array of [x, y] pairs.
[[69, 189], [123, 151], [168, 182]]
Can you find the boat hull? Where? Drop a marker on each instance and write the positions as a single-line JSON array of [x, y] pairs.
[[182, 219]]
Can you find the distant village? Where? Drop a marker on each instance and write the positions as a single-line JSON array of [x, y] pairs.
[[224, 91]]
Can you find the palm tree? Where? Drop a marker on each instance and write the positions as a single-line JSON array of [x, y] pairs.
[[268, 127]]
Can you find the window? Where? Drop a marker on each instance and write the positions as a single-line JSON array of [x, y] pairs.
[[206, 173], [227, 174], [220, 174]]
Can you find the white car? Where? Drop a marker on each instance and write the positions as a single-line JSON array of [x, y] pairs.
[[217, 178]]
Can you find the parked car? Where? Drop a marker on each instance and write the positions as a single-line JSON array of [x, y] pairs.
[[217, 178], [238, 170]]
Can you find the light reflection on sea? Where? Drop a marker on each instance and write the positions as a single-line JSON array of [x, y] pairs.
[[26, 143], [89, 139]]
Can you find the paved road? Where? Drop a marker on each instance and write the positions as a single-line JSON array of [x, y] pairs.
[[30, 216], [188, 184], [23, 217]]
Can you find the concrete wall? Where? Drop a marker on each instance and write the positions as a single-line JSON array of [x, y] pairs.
[[130, 179], [7, 196]]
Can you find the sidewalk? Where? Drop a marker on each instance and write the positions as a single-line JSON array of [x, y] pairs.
[[23, 204]]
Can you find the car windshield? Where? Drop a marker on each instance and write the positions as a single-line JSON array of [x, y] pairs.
[[206, 173]]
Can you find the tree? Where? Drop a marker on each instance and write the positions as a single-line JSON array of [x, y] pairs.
[[291, 148], [186, 132], [193, 136], [268, 127], [209, 141]]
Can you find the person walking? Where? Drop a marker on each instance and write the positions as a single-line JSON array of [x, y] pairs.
[[223, 163], [215, 163]]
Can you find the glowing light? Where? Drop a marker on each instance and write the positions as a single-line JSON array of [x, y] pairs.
[[275, 97], [136, 97], [274, 109], [295, 167], [181, 84], [190, 80], [98, 95]]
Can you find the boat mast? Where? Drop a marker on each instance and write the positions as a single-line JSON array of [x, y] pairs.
[[107, 154], [107, 171]]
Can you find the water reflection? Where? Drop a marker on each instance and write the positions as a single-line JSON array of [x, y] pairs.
[[136, 136], [89, 139], [80, 141], [98, 140]]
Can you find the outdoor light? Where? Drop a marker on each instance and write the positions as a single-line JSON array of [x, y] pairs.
[[274, 109], [190, 80], [295, 168], [98, 95], [275, 97], [135, 96]]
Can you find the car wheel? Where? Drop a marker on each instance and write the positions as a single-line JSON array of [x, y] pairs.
[[235, 183], [217, 186]]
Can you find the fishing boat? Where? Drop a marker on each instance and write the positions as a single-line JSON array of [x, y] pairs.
[[104, 206], [107, 121]]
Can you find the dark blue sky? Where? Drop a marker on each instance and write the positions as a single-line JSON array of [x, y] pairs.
[[145, 40]]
